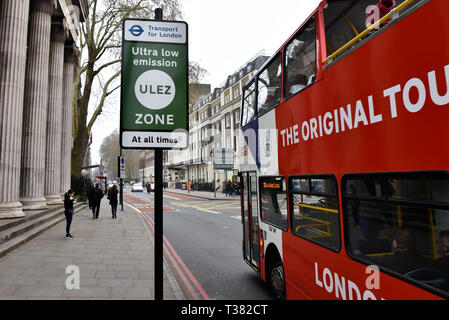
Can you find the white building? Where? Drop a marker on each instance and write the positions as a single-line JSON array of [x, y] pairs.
[[214, 122]]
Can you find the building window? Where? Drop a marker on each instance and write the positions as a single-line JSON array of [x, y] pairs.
[[236, 92], [228, 120], [227, 97], [236, 115]]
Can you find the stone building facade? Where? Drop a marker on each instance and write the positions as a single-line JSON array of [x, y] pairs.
[[37, 54]]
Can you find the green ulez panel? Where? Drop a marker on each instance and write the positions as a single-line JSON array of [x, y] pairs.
[[139, 58]]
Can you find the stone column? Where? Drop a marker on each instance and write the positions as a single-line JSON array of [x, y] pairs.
[[67, 98], [13, 41], [54, 115], [32, 176]]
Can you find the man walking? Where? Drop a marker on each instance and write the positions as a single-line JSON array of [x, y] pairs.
[[97, 195]]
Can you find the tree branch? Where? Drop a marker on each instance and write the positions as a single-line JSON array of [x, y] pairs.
[[105, 94], [106, 65]]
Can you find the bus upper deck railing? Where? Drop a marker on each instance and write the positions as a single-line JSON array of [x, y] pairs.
[[392, 14], [302, 205]]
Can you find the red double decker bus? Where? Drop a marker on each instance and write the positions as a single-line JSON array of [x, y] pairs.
[[344, 155]]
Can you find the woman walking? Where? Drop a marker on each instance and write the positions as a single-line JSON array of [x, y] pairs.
[[97, 195], [68, 211], [113, 201]]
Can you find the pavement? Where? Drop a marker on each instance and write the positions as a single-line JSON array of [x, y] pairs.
[[107, 259]]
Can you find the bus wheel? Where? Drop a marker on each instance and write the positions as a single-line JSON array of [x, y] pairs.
[[277, 278]]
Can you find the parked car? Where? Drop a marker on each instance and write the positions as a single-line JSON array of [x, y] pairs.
[[137, 187]]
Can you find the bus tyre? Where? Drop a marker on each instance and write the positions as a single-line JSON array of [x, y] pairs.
[[277, 279]]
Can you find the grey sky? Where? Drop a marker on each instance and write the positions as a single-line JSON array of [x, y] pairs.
[[226, 34]]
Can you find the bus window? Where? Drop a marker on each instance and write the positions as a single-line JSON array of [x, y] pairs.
[[273, 201], [269, 86], [300, 60], [347, 20], [315, 214], [249, 108], [401, 223]]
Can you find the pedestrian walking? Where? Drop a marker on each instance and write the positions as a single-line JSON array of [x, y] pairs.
[[234, 189], [113, 200], [68, 211], [228, 188], [97, 195], [89, 193]]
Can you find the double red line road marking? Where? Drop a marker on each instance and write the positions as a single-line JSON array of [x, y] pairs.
[[192, 285]]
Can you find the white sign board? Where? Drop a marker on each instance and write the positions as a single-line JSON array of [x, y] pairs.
[[122, 167], [224, 159], [137, 139], [155, 31]]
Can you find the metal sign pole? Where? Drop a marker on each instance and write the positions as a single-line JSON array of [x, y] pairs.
[[158, 225], [158, 214], [215, 189], [121, 178]]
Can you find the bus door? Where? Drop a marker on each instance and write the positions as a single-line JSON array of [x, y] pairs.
[[250, 219]]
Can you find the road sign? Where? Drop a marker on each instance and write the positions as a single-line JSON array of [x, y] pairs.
[[224, 159], [122, 167], [154, 90]]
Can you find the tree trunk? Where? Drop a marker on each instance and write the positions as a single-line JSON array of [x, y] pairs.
[[81, 134], [79, 150]]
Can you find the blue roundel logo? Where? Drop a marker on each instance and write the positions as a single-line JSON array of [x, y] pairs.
[[136, 30]]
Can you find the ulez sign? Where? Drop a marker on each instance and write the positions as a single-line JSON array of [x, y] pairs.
[[154, 89]]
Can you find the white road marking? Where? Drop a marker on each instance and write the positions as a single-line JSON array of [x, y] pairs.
[[210, 211], [165, 196]]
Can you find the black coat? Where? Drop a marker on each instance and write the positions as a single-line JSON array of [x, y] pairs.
[[68, 203], [113, 199], [97, 195]]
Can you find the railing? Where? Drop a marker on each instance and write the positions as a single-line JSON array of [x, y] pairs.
[[392, 14], [315, 222]]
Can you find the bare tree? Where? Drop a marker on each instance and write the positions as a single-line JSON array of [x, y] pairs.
[[109, 151]]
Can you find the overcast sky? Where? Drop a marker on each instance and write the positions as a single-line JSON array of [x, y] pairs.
[[223, 36]]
